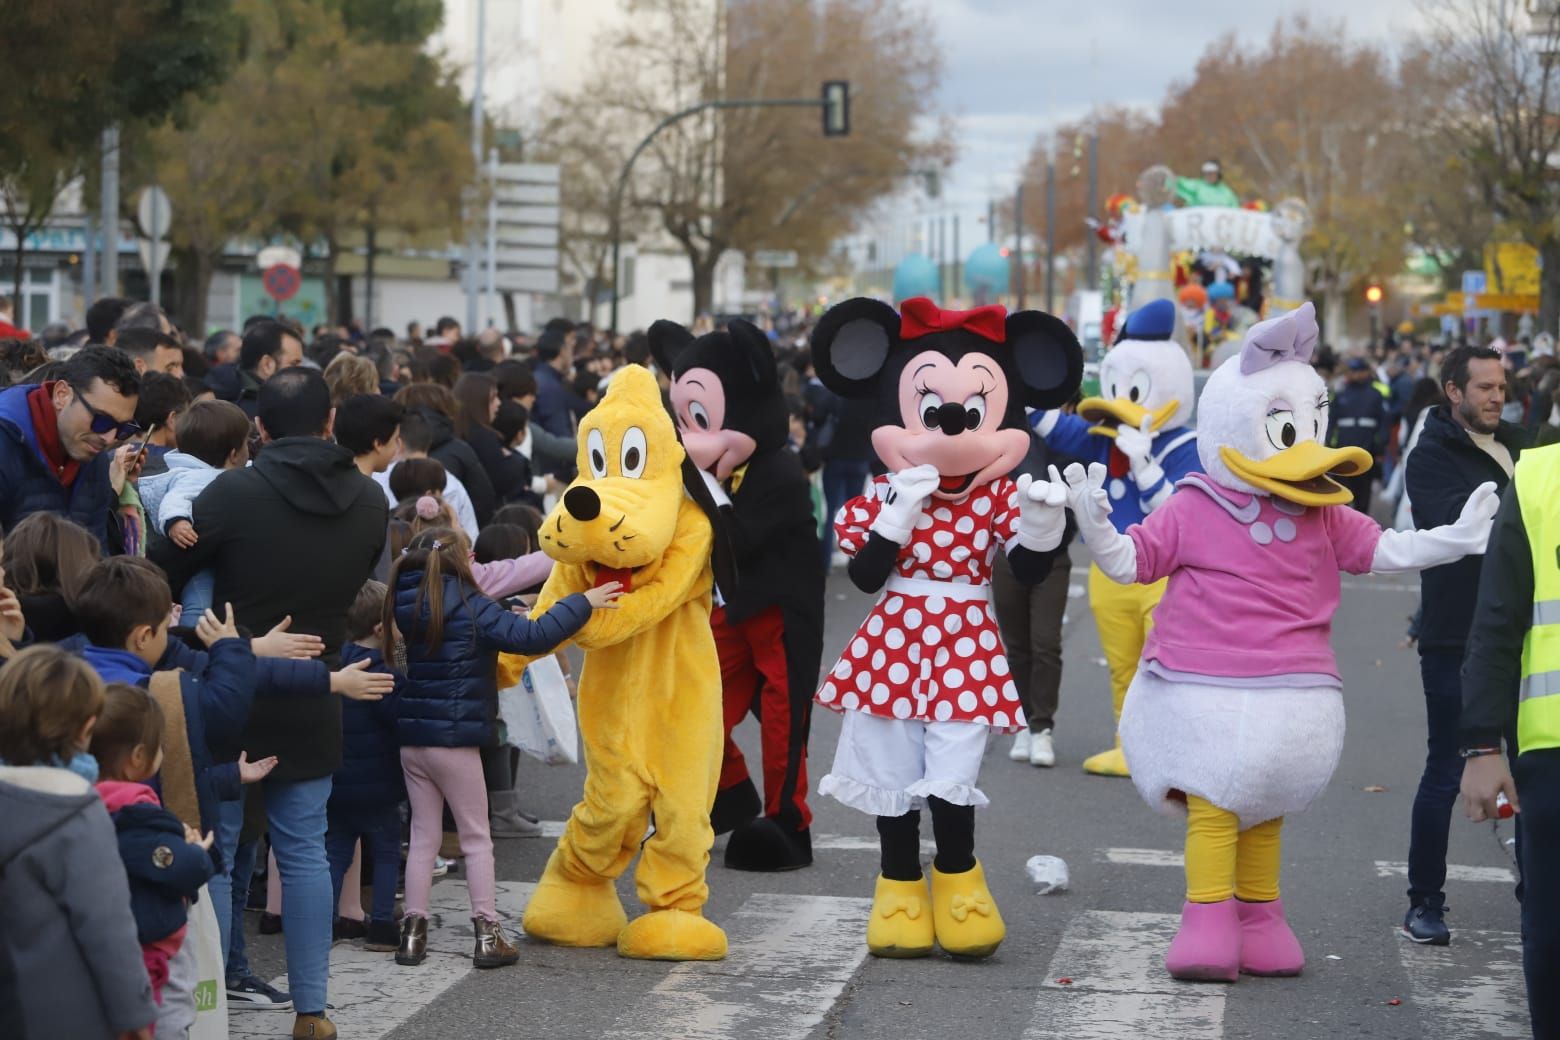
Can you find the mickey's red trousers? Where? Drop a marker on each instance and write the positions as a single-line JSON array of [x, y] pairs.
[[755, 678]]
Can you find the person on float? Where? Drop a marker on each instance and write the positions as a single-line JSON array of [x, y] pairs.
[[1235, 717], [924, 681], [1136, 427]]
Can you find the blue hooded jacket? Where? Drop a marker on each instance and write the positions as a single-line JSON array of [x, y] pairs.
[[28, 484], [370, 775]]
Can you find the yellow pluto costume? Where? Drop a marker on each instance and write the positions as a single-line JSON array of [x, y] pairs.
[[649, 692]]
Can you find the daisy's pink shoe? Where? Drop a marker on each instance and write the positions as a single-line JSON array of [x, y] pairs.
[[1267, 945], [1207, 948]]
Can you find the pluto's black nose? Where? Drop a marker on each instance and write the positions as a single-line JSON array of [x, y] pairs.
[[582, 503]]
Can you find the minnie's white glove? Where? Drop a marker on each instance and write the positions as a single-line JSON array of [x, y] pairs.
[[907, 493], [1042, 516], [1467, 536], [1115, 553]]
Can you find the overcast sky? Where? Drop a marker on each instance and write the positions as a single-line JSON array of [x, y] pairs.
[[1014, 67]]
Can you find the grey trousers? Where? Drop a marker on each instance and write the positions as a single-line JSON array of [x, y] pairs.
[[1030, 619]]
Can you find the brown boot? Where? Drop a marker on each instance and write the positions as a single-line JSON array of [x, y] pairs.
[[493, 948], [414, 941], [449, 846], [313, 1027]]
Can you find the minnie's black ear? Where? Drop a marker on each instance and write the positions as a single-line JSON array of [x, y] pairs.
[[668, 340], [754, 347], [851, 344], [1047, 357]]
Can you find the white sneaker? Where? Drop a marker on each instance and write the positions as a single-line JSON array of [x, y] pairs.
[[1041, 753], [1021, 746]]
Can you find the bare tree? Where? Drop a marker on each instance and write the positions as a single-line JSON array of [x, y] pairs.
[[1496, 69]]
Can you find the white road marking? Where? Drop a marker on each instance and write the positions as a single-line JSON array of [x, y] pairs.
[[371, 994], [1454, 872], [790, 958], [1120, 989], [1473, 987], [1145, 857]]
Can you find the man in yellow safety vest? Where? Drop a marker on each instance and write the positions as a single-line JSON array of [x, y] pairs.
[[1513, 662]]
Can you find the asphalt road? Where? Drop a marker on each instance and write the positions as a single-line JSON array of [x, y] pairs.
[[798, 969]]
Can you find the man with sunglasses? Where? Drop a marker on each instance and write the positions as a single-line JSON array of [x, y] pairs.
[[62, 444]]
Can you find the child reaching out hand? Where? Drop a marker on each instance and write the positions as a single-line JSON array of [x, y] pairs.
[[448, 712]]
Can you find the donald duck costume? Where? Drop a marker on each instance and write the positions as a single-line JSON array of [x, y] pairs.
[[1137, 429], [1236, 713]]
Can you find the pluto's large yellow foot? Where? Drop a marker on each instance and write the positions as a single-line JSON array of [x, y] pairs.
[[573, 913], [672, 935]]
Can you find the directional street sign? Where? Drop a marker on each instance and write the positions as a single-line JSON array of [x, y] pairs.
[[774, 258], [523, 222]]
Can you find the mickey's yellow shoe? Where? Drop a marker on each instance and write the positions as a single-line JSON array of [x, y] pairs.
[[672, 935], [573, 913], [1107, 763], [965, 914], [901, 921]]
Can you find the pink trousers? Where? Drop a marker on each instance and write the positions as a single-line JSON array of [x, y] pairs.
[[435, 775]]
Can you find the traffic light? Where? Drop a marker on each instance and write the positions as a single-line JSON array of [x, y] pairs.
[[1373, 294], [836, 108]]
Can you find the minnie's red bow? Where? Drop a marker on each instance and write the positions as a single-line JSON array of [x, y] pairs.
[[920, 316]]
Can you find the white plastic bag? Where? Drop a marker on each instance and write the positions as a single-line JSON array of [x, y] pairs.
[[1048, 873], [211, 1010], [539, 714]]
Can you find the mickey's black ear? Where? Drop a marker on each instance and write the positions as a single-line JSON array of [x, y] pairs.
[[1047, 356], [754, 346], [851, 344], [668, 340]]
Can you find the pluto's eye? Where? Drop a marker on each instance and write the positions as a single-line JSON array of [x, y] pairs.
[[598, 454], [634, 452]]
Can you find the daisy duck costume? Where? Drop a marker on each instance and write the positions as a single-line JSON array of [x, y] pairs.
[[1137, 429], [1235, 717], [924, 680]]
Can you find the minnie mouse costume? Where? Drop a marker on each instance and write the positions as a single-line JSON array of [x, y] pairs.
[[924, 679]]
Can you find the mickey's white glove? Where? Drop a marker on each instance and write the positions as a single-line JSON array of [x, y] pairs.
[[907, 493], [717, 492], [1115, 553], [1468, 536], [1042, 513], [1137, 444]]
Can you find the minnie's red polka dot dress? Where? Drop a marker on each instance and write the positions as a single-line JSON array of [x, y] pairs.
[[928, 653]]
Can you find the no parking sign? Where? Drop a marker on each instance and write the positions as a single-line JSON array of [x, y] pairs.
[[281, 282]]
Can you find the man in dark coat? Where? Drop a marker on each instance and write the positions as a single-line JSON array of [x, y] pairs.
[[294, 535], [769, 628], [1359, 420], [1464, 444]]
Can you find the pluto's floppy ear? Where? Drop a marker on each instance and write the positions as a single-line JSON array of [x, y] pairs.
[[1047, 358], [851, 344], [667, 341], [754, 347], [723, 560]]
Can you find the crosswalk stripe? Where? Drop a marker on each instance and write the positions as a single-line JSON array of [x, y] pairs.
[[1144, 857], [1118, 987], [790, 958], [1471, 988], [1454, 872], [371, 994]]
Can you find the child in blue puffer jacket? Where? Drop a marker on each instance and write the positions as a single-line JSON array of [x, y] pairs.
[[453, 635]]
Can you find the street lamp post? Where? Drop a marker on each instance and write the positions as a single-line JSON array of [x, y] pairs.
[[834, 103]]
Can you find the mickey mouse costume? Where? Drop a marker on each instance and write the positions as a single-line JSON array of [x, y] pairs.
[[924, 679], [769, 628]]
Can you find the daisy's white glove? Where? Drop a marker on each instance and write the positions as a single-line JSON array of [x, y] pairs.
[[906, 497], [1115, 553], [1468, 535], [1042, 513]]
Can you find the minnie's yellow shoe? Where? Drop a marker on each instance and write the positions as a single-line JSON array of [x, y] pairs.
[[901, 922], [965, 915]]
